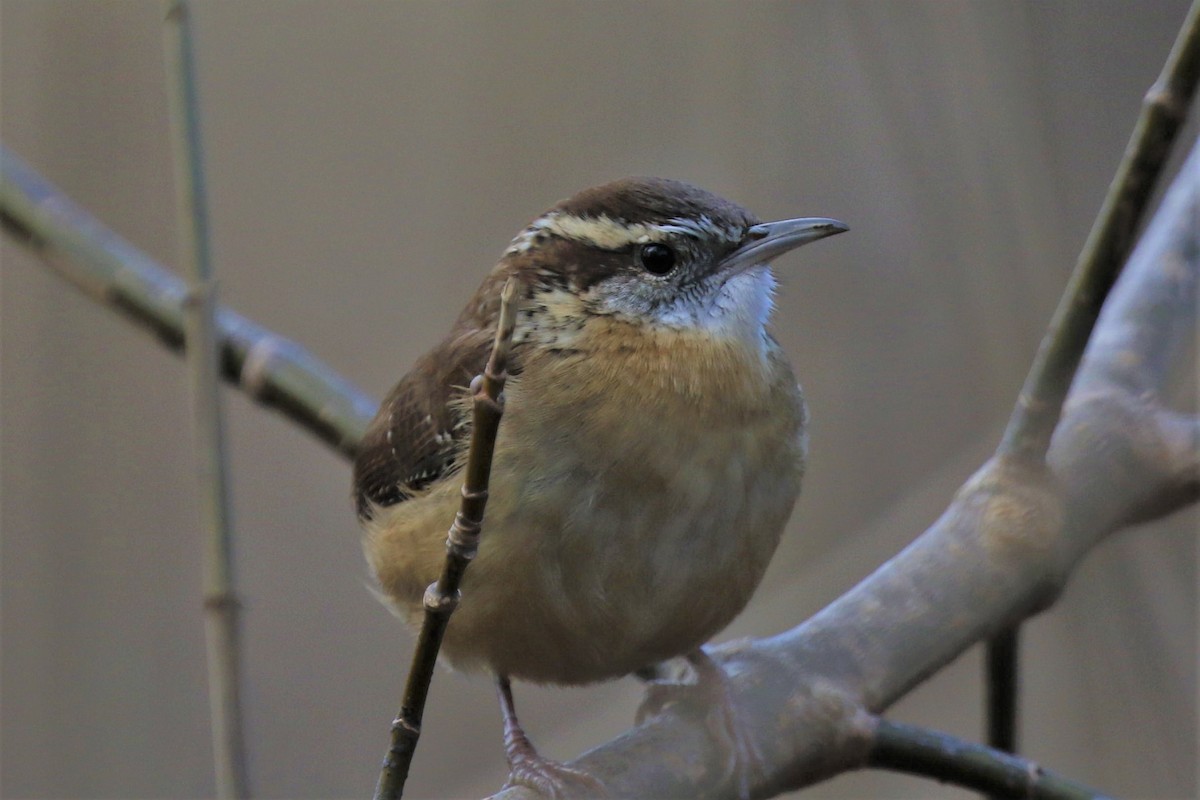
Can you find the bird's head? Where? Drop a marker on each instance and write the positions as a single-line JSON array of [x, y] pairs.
[[658, 252]]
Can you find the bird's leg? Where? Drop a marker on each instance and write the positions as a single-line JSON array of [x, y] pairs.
[[744, 763], [527, 768]]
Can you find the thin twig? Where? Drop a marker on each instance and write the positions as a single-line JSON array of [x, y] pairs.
[[273, 370], [932, 754], [442, 597], [221, 603], [1003, 688], [1112, 237]]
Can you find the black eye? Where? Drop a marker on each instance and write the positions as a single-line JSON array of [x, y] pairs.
[[655, 258]]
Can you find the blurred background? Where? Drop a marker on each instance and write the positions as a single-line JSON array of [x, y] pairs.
[[367, 164]]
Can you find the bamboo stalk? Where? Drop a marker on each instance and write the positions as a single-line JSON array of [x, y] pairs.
[[221, 604]]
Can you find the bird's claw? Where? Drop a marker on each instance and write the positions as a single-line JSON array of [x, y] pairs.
[[526, 767], [552, 778]]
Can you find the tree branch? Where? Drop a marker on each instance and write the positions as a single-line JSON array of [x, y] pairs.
[[1001, 552], [1112, 236], [1002, 689], [1106, 249], [271, 369], [917, 751]]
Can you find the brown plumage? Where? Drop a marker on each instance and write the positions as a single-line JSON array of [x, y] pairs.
[[650, 453]]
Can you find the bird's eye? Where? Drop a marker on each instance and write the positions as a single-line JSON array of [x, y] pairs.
[[656, 258]]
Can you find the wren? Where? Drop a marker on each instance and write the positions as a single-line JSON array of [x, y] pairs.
[[651, 450]]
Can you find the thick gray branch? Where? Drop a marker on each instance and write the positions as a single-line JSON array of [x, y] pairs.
[[1001, 552]]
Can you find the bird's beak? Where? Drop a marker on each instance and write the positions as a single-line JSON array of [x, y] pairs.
[[769, 240]]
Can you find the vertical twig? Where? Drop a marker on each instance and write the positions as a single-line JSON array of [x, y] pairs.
[[442, 597], [220, 601], [1108, 246], [1003, 687]]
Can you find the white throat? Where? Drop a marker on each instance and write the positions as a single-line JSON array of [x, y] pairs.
[[740, 309]]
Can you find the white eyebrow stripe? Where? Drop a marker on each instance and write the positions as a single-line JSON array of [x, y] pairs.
[[599, 231], [603, 231]]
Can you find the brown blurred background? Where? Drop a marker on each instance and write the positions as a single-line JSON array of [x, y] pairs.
[[367, 163]]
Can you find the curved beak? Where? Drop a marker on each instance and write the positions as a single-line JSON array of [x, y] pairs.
[[769, 240]]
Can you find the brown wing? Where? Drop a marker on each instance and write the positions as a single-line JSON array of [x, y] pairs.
[[419, 430]]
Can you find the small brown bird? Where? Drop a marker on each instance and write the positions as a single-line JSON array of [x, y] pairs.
[[651, 450]]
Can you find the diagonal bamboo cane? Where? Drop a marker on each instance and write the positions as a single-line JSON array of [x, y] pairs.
[[271, 369]]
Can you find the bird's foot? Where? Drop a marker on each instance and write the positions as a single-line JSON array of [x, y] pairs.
[[551, 778], [526, 767], [744, 764]]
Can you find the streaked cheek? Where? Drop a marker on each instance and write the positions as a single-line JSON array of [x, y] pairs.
[[628, 297]]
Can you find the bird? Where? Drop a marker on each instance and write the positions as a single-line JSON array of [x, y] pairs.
[[652, 447]]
